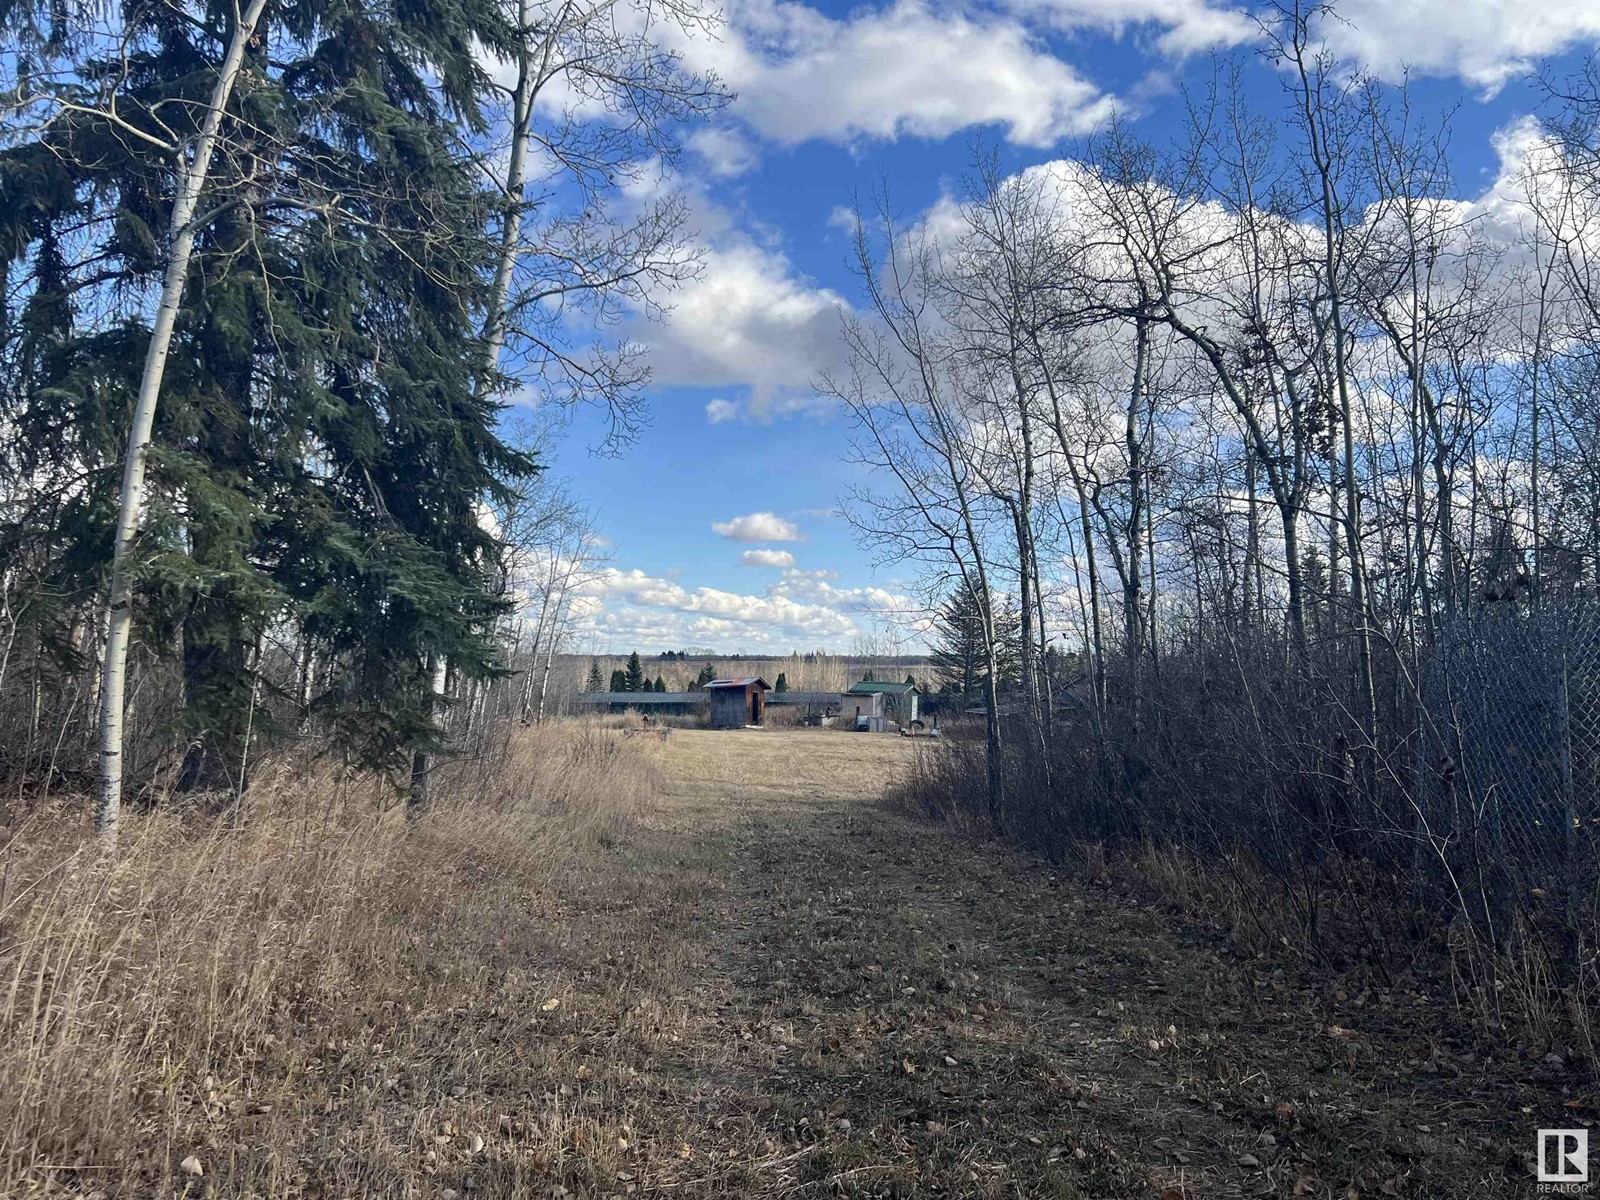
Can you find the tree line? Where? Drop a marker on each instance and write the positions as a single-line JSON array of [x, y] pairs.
[[270, 276], [1222, 453]]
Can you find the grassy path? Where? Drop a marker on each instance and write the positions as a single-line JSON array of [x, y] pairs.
[[775, 987]]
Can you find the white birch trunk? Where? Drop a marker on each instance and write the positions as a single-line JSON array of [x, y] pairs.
[[549, 661], [421, 762], [119, 625]]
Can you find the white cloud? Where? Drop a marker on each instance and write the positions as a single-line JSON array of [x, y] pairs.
[[906, 69], [1485, 42], [929, 69], [1185, 26], [631, 609], [843, 218], [719, 410], [710, 615], [818, 588], [766, 558], [726, 151], [759, 527], [749, 320], [919, 68], [755, 326]]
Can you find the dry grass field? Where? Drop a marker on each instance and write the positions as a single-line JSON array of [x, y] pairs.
[[714, 965]]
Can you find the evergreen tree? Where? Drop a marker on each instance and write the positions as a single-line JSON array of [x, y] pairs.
[[636, 679], [595, 683], [782, 685], [619, 682], [660, 685], [322, 447], [960, 664]]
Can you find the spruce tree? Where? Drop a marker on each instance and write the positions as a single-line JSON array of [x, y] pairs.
[[619, 682], [321, 450], [782, 685], [960, 662], [635, 673], [595, 683]]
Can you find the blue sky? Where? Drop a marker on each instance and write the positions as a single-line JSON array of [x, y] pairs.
[[832, 101]]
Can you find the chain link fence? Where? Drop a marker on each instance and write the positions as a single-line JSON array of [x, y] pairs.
[[1458, 807], [1508, 790]]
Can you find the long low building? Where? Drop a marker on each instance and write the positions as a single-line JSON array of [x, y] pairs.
[[644, 699], [699, 699], [731, 703]]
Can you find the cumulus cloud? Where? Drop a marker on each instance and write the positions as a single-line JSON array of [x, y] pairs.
[[906, 69], [760, 330], [749, 319], [725, 151], [630, 608], [817, 587], [1181, 27], [759, 527], [711, 615], [766, 558], [927, 69], [1484, 42]]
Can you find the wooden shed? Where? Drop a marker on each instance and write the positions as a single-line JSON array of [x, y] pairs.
[[736, 703]]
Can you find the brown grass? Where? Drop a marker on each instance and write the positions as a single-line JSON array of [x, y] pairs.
[[220, 988], [711, 966]]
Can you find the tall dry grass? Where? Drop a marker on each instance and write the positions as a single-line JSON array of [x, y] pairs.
[[1335, 912], [221, 990]]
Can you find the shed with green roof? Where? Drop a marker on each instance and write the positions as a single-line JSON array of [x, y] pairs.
[[898, 702]]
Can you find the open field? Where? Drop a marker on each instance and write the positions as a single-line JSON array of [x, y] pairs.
[[725, 969]]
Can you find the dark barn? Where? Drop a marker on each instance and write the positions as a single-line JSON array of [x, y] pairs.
[[736, 703]]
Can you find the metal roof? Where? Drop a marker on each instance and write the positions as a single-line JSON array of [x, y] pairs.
[[739, 683], [868, 686], [803, 698]]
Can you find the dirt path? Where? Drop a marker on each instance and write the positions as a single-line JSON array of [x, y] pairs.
[[782, 989]]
